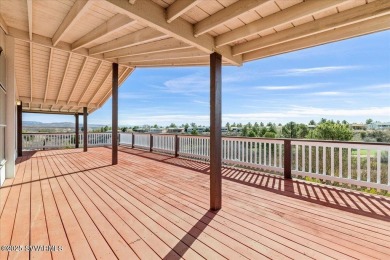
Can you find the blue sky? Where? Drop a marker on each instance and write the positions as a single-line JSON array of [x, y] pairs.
[[343, 80]]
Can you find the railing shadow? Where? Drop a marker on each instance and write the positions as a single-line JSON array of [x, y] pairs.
[[334, 197], [178, 251]]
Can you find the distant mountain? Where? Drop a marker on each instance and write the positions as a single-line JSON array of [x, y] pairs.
[[55, 125]]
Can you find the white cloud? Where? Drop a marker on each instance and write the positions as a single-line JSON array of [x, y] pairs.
[[327, 93], [377, 86], [313, 70], [201, 102], [292, 113], [187, 84], [130, 95], [290, 87]]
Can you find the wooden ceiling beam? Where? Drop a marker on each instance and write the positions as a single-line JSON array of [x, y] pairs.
[[105, 78], [63, 77], [52, 102], [153, 15], [196, 61], [351, 16], [46, 42], [3, 25], [29, 17], [166, 55], [226, 14], [31, 71], [78, 9], [113, 25], [91, 80], [374, 25], [126, 73], [178, 8], [139, 37], [78, 79], [288, 15], [153, 47], [48, 73]]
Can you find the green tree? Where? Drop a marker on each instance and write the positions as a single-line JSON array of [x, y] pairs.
[[228, 126], [172, 125], [194, 131], [124, 129], [245, 130], [290, 130], [302, 131], [252, 133], [369, 121], [270, 135], [330, 130], [271, 128], [186, 127], [105, 128], [312, 122]]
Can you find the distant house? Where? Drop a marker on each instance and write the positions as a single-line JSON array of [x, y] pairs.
[[199, 129], [140, 130], [155, 130], [235, 129], [358, 126], [175, 130], [379, 126]]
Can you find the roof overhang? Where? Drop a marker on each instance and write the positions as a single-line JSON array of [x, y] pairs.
[[64, 49]]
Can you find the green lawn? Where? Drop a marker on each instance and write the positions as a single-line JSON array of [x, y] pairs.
[[364, 153]]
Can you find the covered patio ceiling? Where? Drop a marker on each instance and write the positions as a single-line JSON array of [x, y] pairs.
[[64, 49]]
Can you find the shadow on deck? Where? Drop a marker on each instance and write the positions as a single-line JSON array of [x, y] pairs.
[[339, 198]]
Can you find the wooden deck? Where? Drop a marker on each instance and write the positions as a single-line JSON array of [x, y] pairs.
[[153, 206]]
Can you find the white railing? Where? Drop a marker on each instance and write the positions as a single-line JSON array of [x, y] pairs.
[[126, 138], [256, 153], [164, 143], [38, 141], [42, 141], [142, 141], [361, 164], [351, 163], [194, 146], [99, 139]]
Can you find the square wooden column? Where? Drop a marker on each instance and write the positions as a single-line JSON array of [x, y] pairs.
[[215, 131], [85, 127], [114, 137], [77, 140], [19, 137]]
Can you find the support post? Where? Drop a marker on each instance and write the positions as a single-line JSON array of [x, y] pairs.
[[19, 140], [132, 140], [177, 146], [114, 113], [287, 159], [77, 140], [151, 143], [10, 108], [85, 127], [215, 131]]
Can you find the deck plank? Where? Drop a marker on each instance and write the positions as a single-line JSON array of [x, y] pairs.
[[39, 234], [153, 206]]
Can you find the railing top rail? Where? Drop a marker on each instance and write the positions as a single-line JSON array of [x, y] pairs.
[[237, 137], [293, 140], [49, 133]]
